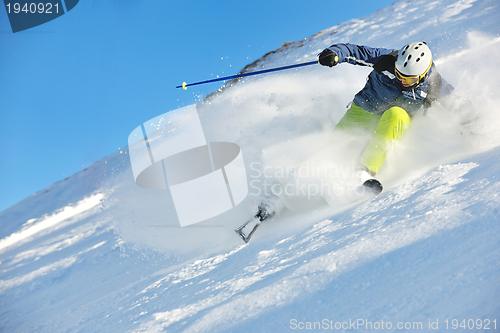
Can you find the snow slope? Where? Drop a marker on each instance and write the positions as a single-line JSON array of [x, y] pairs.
[[96, 253]]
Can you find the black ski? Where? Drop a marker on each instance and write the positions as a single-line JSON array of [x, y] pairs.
[[240, 232], [266, 210], [374, 186]]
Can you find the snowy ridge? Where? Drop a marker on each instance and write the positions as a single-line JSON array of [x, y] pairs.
[[442, 23], [50, 223], [95, 253]]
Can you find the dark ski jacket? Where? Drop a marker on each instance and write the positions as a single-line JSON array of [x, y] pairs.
[[383, 90]]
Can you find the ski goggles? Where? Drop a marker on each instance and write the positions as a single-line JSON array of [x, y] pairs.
[[411, 80]]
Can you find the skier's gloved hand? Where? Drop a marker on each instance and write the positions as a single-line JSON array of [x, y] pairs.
[[328, 58], [386, 62]]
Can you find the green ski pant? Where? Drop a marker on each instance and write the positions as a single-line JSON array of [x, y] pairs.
[[387, 129]]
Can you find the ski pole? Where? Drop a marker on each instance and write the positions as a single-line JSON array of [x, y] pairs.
[[184, 85]]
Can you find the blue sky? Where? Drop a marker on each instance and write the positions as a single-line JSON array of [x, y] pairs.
[[73, 89]]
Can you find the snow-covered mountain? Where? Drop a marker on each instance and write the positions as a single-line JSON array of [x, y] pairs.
[[96, 253]]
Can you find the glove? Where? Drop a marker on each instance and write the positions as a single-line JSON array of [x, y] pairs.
[[386, 62], [328, 58]]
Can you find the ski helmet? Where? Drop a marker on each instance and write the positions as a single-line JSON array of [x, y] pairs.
[[414, 60]]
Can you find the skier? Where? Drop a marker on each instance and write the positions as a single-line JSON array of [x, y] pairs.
[[401, 83]]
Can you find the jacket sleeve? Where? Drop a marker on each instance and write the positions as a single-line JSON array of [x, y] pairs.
[[359, 55]]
